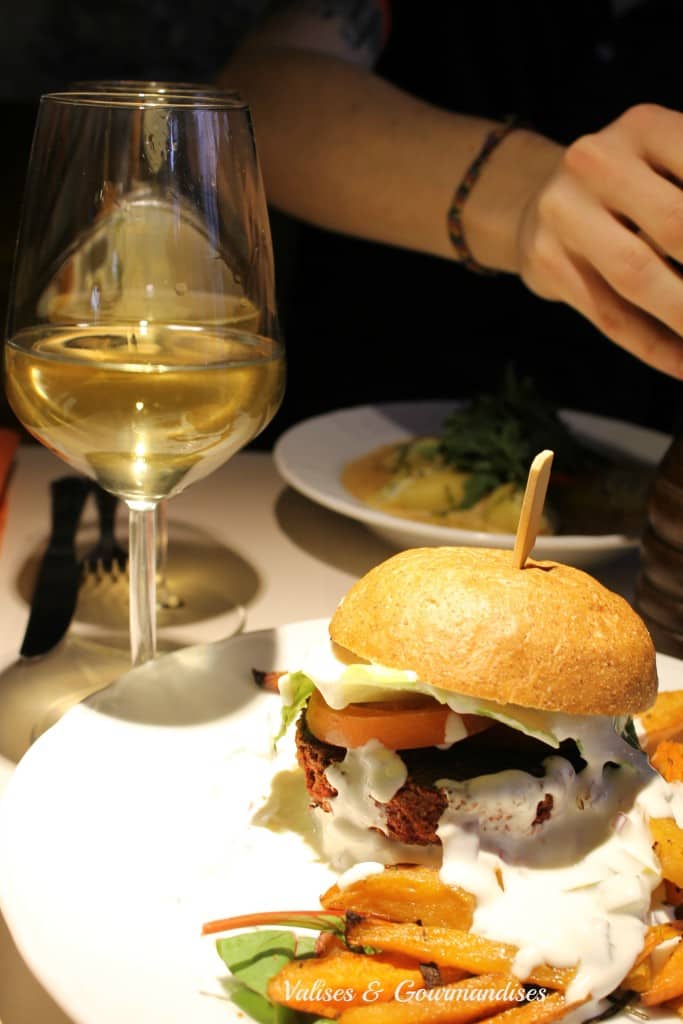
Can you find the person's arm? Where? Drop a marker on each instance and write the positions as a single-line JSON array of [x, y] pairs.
[[344, 149]]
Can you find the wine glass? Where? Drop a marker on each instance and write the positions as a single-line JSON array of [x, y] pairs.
[[147, 87], [143, 345], [167, 597]]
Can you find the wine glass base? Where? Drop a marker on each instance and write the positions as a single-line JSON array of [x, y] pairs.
[[35, 692], [168, 599], [206, 583], [215, 586], [211, 586]]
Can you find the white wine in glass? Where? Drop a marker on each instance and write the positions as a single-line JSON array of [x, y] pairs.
[[167, 595], [143, 345]]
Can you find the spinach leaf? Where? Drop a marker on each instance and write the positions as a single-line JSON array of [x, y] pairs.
[[263, 1011], [258, 1008], [254, 957]]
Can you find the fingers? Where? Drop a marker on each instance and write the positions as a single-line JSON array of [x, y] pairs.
[[625, 324], [656, 133], [622, 258], [615, 167], [602, 233], [654, 205], [579, 285]]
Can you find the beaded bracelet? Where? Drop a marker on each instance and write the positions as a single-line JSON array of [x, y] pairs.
[[455, 228]]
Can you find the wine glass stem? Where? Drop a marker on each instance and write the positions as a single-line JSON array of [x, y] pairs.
[[143, 585], [161, 543], [166, 597]]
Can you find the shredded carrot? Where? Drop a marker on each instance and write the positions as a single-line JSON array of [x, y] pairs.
[[226, 924]]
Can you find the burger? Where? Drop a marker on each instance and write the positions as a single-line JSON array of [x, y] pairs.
[[447, 668], [479, 717]]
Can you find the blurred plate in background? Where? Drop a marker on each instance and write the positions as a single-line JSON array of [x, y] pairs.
[[311, 457]]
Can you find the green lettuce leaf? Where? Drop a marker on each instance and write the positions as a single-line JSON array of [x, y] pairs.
[[301, 689], [628, 733]]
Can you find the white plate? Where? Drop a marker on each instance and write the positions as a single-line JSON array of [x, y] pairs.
[[129, 824], [311, 456]]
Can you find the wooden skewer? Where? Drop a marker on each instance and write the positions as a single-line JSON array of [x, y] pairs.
[[532, 507]]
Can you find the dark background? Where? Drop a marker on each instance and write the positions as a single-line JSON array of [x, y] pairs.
[[367, 323]]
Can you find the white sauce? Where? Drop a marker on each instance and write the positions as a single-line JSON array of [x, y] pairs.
[[351, 832], [574, 889], [590, 904], [454, 732], [360, 871]]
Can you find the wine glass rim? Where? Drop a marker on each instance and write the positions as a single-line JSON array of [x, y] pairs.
[[211, 99], [156, 87]]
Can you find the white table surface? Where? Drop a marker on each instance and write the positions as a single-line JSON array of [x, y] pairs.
[[285, 557]]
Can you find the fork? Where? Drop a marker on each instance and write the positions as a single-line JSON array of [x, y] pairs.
[[106, 557]]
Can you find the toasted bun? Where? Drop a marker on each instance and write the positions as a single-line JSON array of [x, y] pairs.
[[547, 636]]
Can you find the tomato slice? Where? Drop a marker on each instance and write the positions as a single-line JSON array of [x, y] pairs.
[[404, 724]]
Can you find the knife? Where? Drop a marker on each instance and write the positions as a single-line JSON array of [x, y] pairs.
[[59, 577]]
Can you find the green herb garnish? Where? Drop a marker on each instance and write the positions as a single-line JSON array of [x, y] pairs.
[[496, 436]]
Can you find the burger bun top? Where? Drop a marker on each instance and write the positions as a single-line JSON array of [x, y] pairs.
[[547, 636]]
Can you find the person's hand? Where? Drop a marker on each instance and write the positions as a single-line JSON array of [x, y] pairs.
[[601, 233]]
